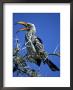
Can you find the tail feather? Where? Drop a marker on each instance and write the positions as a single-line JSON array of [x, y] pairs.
[[52, 66]]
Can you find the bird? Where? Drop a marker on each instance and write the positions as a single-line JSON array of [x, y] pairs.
[[35, 47]]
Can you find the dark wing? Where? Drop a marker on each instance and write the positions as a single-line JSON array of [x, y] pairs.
[[39, 40]]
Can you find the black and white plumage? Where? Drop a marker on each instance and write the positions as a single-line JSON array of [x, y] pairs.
[[35, 47]]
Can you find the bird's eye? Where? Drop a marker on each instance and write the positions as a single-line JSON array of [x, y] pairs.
[[28, 25]]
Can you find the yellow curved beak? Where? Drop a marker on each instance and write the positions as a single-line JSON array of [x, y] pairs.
[[21, 22]]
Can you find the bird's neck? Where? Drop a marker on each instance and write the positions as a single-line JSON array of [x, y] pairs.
[[31, 31]]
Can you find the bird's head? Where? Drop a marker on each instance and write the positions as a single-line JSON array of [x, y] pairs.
[[27, 26]]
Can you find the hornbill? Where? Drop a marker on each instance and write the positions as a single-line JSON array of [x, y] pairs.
[[35, 47]]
